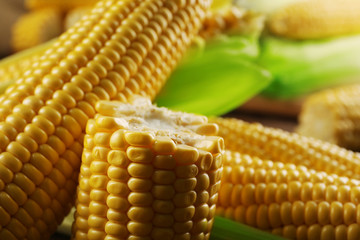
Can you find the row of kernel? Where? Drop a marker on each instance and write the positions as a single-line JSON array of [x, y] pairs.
[[298, 213]]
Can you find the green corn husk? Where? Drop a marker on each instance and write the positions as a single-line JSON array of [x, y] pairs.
[[225, 229], [301, 67], [219, 80]]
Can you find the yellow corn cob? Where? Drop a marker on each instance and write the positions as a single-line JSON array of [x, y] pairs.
[[61, 4], [35, 28], [278, 145], [273, 196], [120, 49], [147, 173], [333, 115], [74, 15], [313, 19]]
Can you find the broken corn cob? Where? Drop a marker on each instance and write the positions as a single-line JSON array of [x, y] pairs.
[[288, 199], [278, 145], [147, 173], [61, 4], [332, 115], [36, 27], [312, 19], [120, 49]]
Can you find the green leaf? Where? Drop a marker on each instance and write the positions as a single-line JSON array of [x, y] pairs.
[[220, 80], [225, 229], [301, 67]]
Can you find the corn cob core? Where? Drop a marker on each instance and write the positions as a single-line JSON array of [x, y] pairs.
[[289, 200], [313, 19], [147, 173], [332, 115], [61, 4], [278, 145], [120, 49], [36, 27]]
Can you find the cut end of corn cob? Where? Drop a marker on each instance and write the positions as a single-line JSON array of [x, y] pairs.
[[36, 27], [332, 115], [147, 172], [316, 19]]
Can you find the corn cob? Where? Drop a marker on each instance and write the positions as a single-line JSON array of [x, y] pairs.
[[74, 15], [278, 145], [146, 172], [332, 115], [312, 19], [61, 4], [281, 198], [120, 49], [36, 27]]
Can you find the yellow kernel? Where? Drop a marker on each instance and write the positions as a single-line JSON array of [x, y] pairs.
[[96, 221], [186, 171], [24, 182], [116, 216], [336, 213], [184, 199], [102, 139], [140, 170], [118, 173], [251, 215], [184, 214], [343, 194], [97, 209], [294, 191], [162, 233], [248, 195], [163, 192], [113, 228], [8, 203], [186, 155], [140, 214], [16, 193], [141, 139], [289, 232], [140, 199], [163, 177], [164, 145], [140, 185], [100, 153], [166, 162], [297, 213], [311, 211], [205, 161], [5, 217], [349, 213], [139, 229], [118, 158], [353, 232], [273, 193], [117, 188], [319, 192], [6, 174], [117, 140], [98, 181], [117, 203], [139, 155], [324, 213], [341, 232], [285, 212], [273, 215], [11, 162]]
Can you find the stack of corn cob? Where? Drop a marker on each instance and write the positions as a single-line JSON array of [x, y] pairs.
[[120, 49]]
